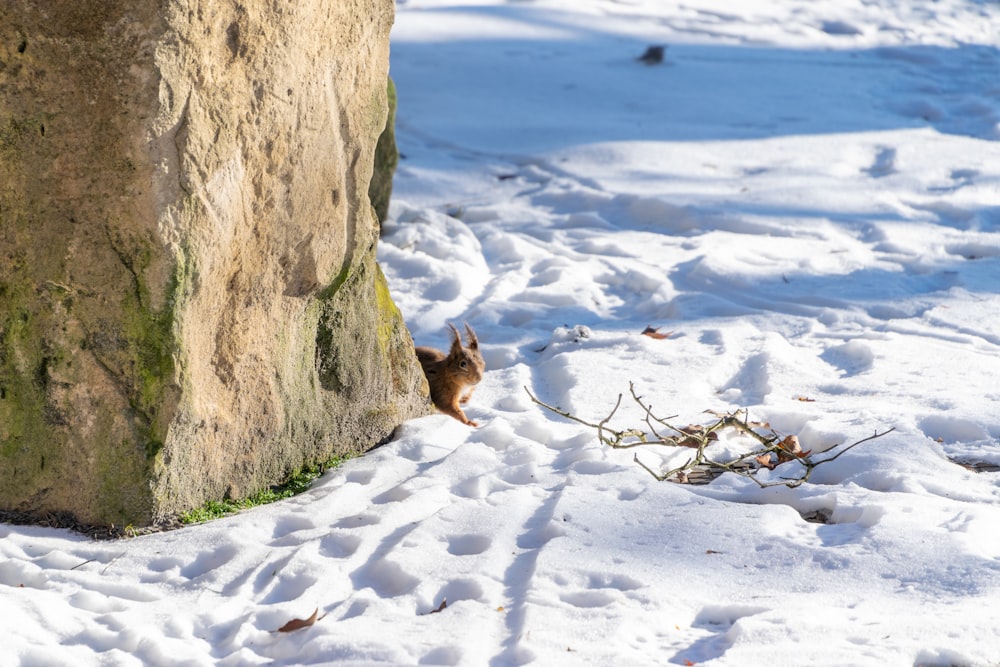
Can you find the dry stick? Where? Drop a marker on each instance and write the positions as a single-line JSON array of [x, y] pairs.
[[703, 436], [619, 436]]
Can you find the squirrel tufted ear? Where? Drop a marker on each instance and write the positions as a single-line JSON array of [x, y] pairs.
[[470, 336], [456, 338]]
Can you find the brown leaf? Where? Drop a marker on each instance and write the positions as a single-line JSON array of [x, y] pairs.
[[765, 461], [712, 551], [441, 607], [654, 333], [298, 623], [790, 444], [805, 399]]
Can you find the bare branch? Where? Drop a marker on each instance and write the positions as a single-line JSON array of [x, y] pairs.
[[772, 451]]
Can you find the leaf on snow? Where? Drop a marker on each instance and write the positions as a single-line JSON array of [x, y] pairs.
[[805, 399], [299, 623], [654, 333]]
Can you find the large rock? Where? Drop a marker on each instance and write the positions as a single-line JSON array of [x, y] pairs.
[[386, 161], [189, 302]]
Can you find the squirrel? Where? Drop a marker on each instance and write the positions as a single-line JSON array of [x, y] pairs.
[[453, 377]]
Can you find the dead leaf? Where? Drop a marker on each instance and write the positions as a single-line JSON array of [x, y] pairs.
[[441, 607], [654, 333], [790, 444], [765, 461], [805, 399], [500, 608], [712, 551], [298, 623]]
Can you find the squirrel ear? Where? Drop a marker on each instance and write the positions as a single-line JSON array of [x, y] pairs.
[[470, 336], [456, 338]]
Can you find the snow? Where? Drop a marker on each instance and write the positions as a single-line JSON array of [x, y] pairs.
[[806, 193]]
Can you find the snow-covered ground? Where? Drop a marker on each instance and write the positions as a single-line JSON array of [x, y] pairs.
[[805, 192]]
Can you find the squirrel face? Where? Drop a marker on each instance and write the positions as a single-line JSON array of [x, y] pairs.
[[465, 363]]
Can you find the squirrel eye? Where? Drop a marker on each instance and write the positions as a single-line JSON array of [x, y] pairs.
[[463, 364]]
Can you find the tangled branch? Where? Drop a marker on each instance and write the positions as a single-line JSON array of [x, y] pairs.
[[772, 449]]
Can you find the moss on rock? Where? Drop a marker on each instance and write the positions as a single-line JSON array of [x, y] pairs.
[[190, 307], [386, 160]]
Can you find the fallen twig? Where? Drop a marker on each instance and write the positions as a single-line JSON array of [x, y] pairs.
[[772, 449]]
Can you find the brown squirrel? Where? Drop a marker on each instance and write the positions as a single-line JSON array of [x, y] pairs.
[[453, 377]]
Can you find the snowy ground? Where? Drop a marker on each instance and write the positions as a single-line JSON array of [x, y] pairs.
[[807, 193]]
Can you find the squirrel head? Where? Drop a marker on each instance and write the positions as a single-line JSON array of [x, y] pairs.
[[465, 362]]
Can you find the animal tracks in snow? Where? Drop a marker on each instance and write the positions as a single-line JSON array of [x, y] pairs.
[[804, 193]]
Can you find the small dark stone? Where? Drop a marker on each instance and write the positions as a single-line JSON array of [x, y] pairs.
[[653, 55]]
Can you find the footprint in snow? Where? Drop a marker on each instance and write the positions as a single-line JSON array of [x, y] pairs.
[[447, 656], [468, 545], [717, 621], [884, 163], [208, 561], [385, 577], [588, 599], [851, 358], [455, 591], [360, 477], [396, 494], [289, 587], [339, 545], [290, 524]]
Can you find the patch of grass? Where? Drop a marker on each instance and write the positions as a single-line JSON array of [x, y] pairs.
[[301, 481]]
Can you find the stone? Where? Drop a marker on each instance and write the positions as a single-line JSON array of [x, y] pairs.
[[190, 306], [386, 159]]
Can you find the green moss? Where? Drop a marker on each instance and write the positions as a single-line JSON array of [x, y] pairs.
[[330, 290], [386, 160], [25, 359], [299, 482], [388, 312], [148, 335]]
